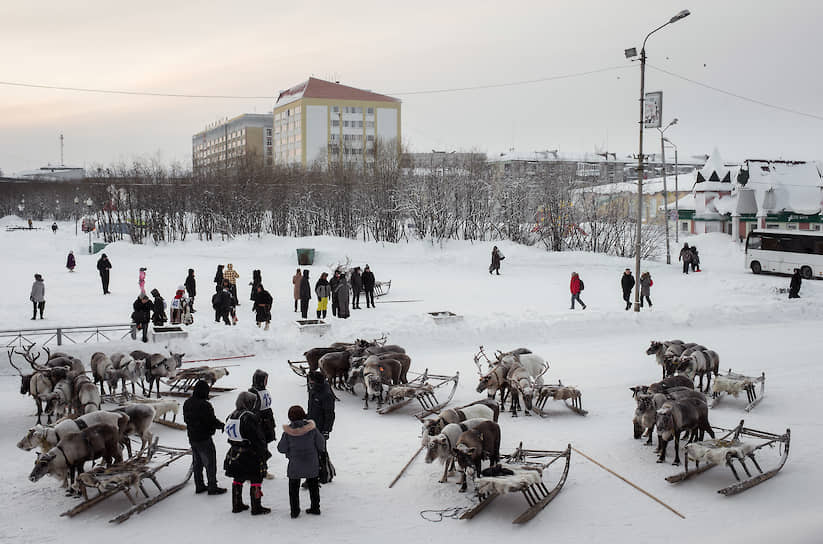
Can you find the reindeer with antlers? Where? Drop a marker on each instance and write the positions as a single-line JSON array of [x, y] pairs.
[[37, 384]]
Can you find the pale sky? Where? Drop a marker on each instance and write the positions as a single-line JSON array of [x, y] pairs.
[[765, 50]]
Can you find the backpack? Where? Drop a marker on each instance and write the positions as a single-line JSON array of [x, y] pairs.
[[581, 285]]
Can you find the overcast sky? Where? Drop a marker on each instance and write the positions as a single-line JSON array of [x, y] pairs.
[[769, 51]]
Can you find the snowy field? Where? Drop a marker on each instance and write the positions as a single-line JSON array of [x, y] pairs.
[[601, 350]]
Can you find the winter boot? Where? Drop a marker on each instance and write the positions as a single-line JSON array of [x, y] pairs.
[[256, 507], [237, 498], [318, 314], [266, 327], [324, 314], [295, 305]]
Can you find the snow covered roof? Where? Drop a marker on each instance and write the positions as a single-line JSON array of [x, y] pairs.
[[553, 155], [318, 88], [714, 170], [650, 186], [782, 186]]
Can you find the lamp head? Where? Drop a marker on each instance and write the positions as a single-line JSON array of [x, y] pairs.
[[630, 52], [682, 15]]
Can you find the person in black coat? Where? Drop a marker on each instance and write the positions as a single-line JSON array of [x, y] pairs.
[[191, 288], [305, 294], [627, 283], [201, 423], [221, 302], [321, 403], [262, 305], [218, 278], [496, 258], [247, 456], [159, 307], [104, 266], [356, 287], [686, 257], [259, 380], [142, 314], [333, 283], [368, 285], [256, 279], [794, 284]]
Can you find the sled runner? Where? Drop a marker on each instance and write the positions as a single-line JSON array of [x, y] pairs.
[[301, 368], [445, 317], [733, 383], [562, 392], [423, 389], [731, 448], [129, 478], [528, 468], [382, 288]]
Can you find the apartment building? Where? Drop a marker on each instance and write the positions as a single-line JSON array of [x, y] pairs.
[[245, 139], [323, 122]]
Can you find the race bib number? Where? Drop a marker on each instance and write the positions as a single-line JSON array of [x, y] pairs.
[[265, 399], [232, 430]]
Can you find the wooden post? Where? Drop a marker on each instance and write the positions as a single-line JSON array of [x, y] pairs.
[[59, 337], [406, 466]]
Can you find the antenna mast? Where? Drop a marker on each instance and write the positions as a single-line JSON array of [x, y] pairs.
[[61, 150]]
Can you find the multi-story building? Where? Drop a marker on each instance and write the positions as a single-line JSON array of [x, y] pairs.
[[320, 121], [580, 167], [245, 139]]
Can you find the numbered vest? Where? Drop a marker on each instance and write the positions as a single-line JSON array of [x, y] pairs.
[[265, 399], [232, 429]]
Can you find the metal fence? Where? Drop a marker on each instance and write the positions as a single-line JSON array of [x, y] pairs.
[[68, 335]]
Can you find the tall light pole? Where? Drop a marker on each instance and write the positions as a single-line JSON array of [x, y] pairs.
[[89, 202], [665, 188], [676, 197], [631, 53], [76, 204]]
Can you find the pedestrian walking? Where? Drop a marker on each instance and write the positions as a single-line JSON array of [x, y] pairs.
[[695, 262], [221, 302], [335, 301], [142, 314], [356, 287], [497, 256], [104, 267], [302, 444], [295, 280], [247, 455], [368, 286], [646, 283], [627, 283], [231, 274], [232, 301], [201, 423], [323, 290], [342, 291], [218, 279], [262, 306], [191, 288], [305, 294], [158, 317], [321, 411], [31, 225], [256, 279], [54, 227], [576, 286], [70, 261], [38, 296], [794, 284], [686, 257], [141, 279]]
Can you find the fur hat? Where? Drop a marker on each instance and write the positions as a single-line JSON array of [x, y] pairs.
[[38, 277], [296, 413]]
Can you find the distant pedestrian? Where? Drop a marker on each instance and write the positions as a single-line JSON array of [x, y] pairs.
[[31, 225], [262, 306], [686, 257], [247, 456], [198, 413], [695, 262], [38, 296], [221, 302], [142, 314], [218, 279], [646, 283], [323, 290], [232, 301], [177, 305], [231, 274], [576, 286], [356, 287], [256, 279], [302, 445], [295, 280], [342, 291], [191, 288], [54, 227], [141, 279], [305, 294], [70, 262], [158, 317], [497, 256], [794, 284], [104, 267], [368, 286], [333, 283], [627, 283]]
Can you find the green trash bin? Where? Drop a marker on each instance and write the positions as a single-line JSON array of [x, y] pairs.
[[98, 246], [305, 256]]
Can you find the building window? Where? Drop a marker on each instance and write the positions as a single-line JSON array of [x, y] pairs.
[[370, 111], [268, 141], [791, 226], [268, 132], [335, 122], [335, 109]]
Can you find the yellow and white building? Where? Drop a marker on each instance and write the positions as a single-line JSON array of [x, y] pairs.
[[231, 143], [322, 122]]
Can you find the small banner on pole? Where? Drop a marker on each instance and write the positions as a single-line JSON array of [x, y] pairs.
[[653, 109]]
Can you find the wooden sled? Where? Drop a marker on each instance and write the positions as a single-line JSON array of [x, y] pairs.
[[522, 462], [301, 368], [129, 477], [173, 424], [730, 448], [423, 389], [559, 392], [182, 384], [382, 288], [733, 383]]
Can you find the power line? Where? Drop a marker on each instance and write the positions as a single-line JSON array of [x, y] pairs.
[[739, 96], [131, 93]]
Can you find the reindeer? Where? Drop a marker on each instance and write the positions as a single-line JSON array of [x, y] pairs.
[[376, 372], [484, 409], [476, 444], [699, 363], [335, 366], [141, 417], [441, 446], [159, 366], [676, 416], [664, 350], [36, 384], [125, 368], [60, 401], [400, 357], [645, 414], [86, 398], [102, 369]]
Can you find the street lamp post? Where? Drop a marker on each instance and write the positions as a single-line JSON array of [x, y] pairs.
[[665, 188], [676, 197], [89, 203], [76, 214], [638, 238]]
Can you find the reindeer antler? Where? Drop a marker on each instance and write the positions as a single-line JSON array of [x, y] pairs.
[[10, 353], [48, 352], [26, 354]]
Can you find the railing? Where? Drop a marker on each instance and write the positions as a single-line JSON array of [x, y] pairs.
[[73, 335]]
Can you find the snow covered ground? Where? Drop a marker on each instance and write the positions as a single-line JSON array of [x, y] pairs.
[[601, 350]]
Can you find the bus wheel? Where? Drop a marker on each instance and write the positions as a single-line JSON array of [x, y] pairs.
[[756, 269], [806, 272]]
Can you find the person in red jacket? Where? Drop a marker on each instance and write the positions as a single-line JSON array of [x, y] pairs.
[[576, 286]]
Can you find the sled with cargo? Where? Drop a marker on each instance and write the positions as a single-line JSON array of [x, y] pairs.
[[423, 389], [183, 382], [734, 449], [571, 396], [733, 384], [528, 469]]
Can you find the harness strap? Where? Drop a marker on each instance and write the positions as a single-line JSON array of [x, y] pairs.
[[82, 425], [463, 427], [66, 457], [460, 414]]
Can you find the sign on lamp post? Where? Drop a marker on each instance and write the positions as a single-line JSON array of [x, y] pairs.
[[653, 110]]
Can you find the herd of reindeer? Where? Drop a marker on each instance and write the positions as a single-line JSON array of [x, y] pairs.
[[83, 432]]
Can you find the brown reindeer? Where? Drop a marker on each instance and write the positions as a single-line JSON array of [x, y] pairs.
[[474, 445], [677, 416]]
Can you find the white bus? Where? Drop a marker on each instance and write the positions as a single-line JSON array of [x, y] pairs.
[[783, 251]]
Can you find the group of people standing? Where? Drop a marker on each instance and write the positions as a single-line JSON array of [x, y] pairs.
[[690, 258], [250, 428], [627, 283], [336, 289]]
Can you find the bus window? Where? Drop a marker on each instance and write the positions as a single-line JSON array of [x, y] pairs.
[[818, 248], [753, 242], [771, 244]]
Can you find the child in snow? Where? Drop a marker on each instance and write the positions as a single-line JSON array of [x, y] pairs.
[[141, 279], [177, 305], [645, 287]]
